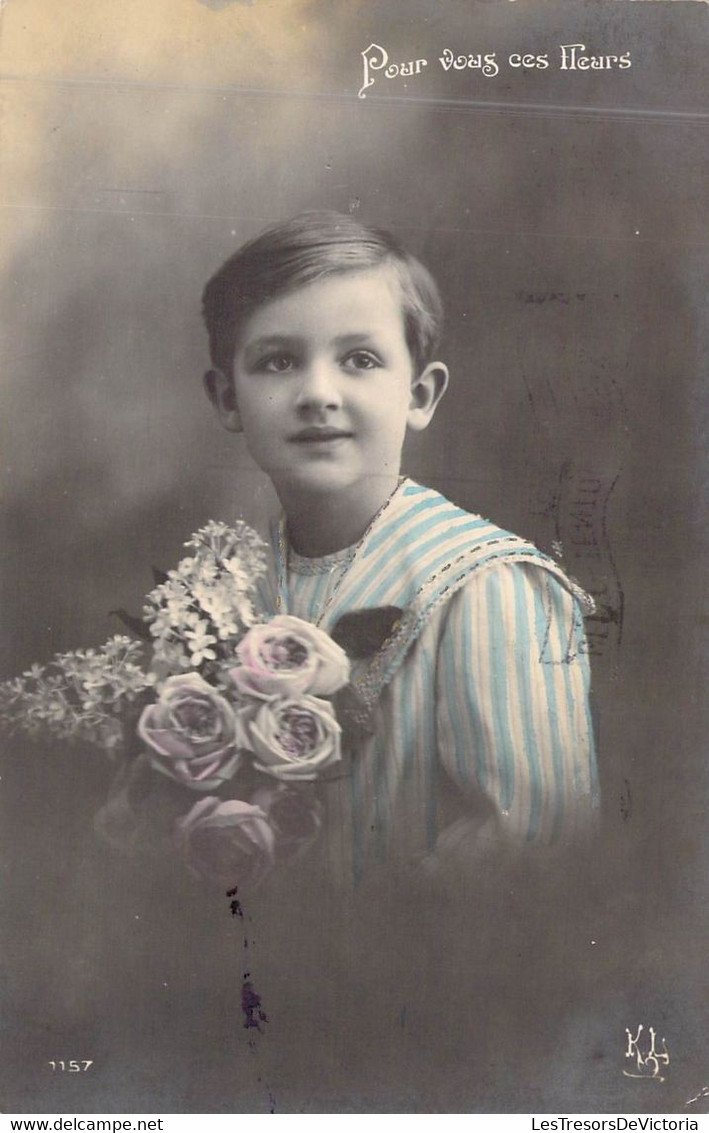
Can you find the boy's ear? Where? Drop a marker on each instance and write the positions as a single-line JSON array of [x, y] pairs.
[[221, 393], [426, 392]]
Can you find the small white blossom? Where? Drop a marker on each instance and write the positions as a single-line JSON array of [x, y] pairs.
[[196, 616], [79, 694], [199, 642]]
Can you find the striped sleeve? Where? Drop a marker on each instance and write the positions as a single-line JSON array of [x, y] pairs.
[[513, 717]]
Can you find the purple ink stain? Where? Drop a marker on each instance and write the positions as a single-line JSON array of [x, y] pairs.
[[254, 1015]]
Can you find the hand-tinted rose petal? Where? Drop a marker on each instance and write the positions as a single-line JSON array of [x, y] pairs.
[[289, 656], [192, 731], [162, 740], [282, 744]]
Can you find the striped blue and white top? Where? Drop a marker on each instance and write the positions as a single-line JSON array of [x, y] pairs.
[[482, 722]]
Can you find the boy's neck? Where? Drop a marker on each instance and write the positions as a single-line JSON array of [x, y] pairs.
[[322, 524]]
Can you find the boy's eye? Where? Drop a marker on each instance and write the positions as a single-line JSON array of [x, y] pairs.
[[362, 360], [276, 363]]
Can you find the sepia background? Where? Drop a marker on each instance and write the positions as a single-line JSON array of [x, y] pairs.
[[564, 215]]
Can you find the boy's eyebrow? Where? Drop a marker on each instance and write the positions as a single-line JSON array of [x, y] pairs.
[[270, 340], [294, 341], [355, 337]]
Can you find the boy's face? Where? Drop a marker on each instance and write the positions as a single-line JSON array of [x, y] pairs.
[[324, 384]]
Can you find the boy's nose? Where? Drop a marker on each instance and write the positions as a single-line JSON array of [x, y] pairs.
[[319, 388]]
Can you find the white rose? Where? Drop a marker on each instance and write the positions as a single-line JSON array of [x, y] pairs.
[[288, 656], [292, 739]]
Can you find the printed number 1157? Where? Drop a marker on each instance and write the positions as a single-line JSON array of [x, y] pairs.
[[73, 1067]]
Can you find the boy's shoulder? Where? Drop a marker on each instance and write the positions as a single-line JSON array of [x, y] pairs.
[[428, 536], [429, 508], [439, 545], [421, 551]]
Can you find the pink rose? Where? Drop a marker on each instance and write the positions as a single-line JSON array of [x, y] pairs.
[[292, 738], [287, 657], [192, 732], [230, 842]]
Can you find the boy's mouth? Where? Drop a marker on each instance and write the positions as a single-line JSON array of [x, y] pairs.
[[318, 434]]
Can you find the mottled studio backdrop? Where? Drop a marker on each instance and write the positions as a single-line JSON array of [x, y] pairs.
[[564, 214]]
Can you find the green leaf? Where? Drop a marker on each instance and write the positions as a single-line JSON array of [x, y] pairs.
[[137, 626], [362, 632], [354, 717]]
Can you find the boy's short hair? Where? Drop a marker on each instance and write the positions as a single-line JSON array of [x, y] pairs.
[[307, 248]]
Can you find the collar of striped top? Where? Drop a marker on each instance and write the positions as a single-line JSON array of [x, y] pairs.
[[302, 564], [416, 554]]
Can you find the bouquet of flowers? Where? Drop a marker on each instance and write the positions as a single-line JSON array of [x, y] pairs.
[[235, 712]]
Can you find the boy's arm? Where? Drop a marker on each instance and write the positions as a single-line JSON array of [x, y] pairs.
[[513, 719]]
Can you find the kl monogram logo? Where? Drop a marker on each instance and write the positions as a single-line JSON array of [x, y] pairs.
[[647, 1064]]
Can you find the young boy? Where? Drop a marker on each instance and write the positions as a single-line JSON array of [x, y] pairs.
[[322, 335]]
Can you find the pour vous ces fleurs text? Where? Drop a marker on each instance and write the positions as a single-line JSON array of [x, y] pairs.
[[577, 57]]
